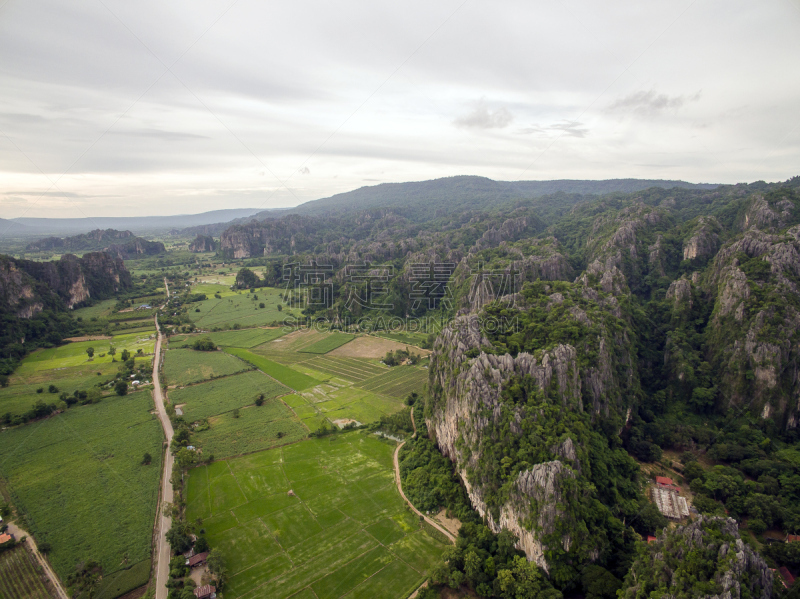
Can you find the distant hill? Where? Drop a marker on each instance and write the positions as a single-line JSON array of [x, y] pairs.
[[71, 226], [93, 240], [439, 196], [423, 200], [11, 228], [122, 244]]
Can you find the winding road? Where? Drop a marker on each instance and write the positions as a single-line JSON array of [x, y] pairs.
[[430, 521], [163, 522]]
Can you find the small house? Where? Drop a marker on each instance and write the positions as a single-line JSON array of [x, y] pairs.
[[206, 591], [792, 538], [651, 539], [5, 538], [197, 560]]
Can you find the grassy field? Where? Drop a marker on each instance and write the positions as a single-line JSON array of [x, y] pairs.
[[99, 310], [345, 531], [246, 338], [74, 354], [256, 428], [21, 577], [21, 394], [240, 308], [399, 381], [123, 581], [78, 479], [186, 366], [291, 378], [328, 343], [225, 394]]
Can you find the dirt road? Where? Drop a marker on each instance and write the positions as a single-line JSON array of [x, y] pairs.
[[31, 543], [436, 525], [166, 286], [163, 522]]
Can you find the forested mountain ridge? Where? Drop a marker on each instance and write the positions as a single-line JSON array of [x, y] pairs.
[[425, 200], [672, 311]]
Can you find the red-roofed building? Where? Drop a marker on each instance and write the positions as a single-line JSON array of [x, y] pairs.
[[205, 592], [788, 579], [650, 538], [197, 560], [792, 538], [666, 483], [5, 538]]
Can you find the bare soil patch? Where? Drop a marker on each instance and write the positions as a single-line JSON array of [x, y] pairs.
[[366, 346], [451, 524], [342, 422]]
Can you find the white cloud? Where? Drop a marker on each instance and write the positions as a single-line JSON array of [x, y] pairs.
[[258, 89], [650, 103], [482, 117]]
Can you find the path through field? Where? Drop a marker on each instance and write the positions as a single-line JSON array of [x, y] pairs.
[[18, 534], [436, 525], [163, 522]]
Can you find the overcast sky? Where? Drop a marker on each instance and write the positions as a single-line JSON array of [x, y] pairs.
[[112, 107]]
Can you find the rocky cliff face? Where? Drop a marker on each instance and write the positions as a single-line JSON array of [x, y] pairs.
[[136, 247], [703, 241], [470, 407], [730, 569], [203, 243], [755, 324], [475, 282], [28, 287]]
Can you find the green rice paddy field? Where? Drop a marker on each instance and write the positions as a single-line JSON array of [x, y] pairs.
[[79, 481], [331, 387], [343, 532], [293, 379]]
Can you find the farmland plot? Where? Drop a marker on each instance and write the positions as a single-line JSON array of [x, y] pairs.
[[21, 393], [397, 382], [186, 366], [74, 354], [246, 338], [328, 343], [344, 530], [79, 479], [21, 576], [256, 428], [224, 394], [289, 377]]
